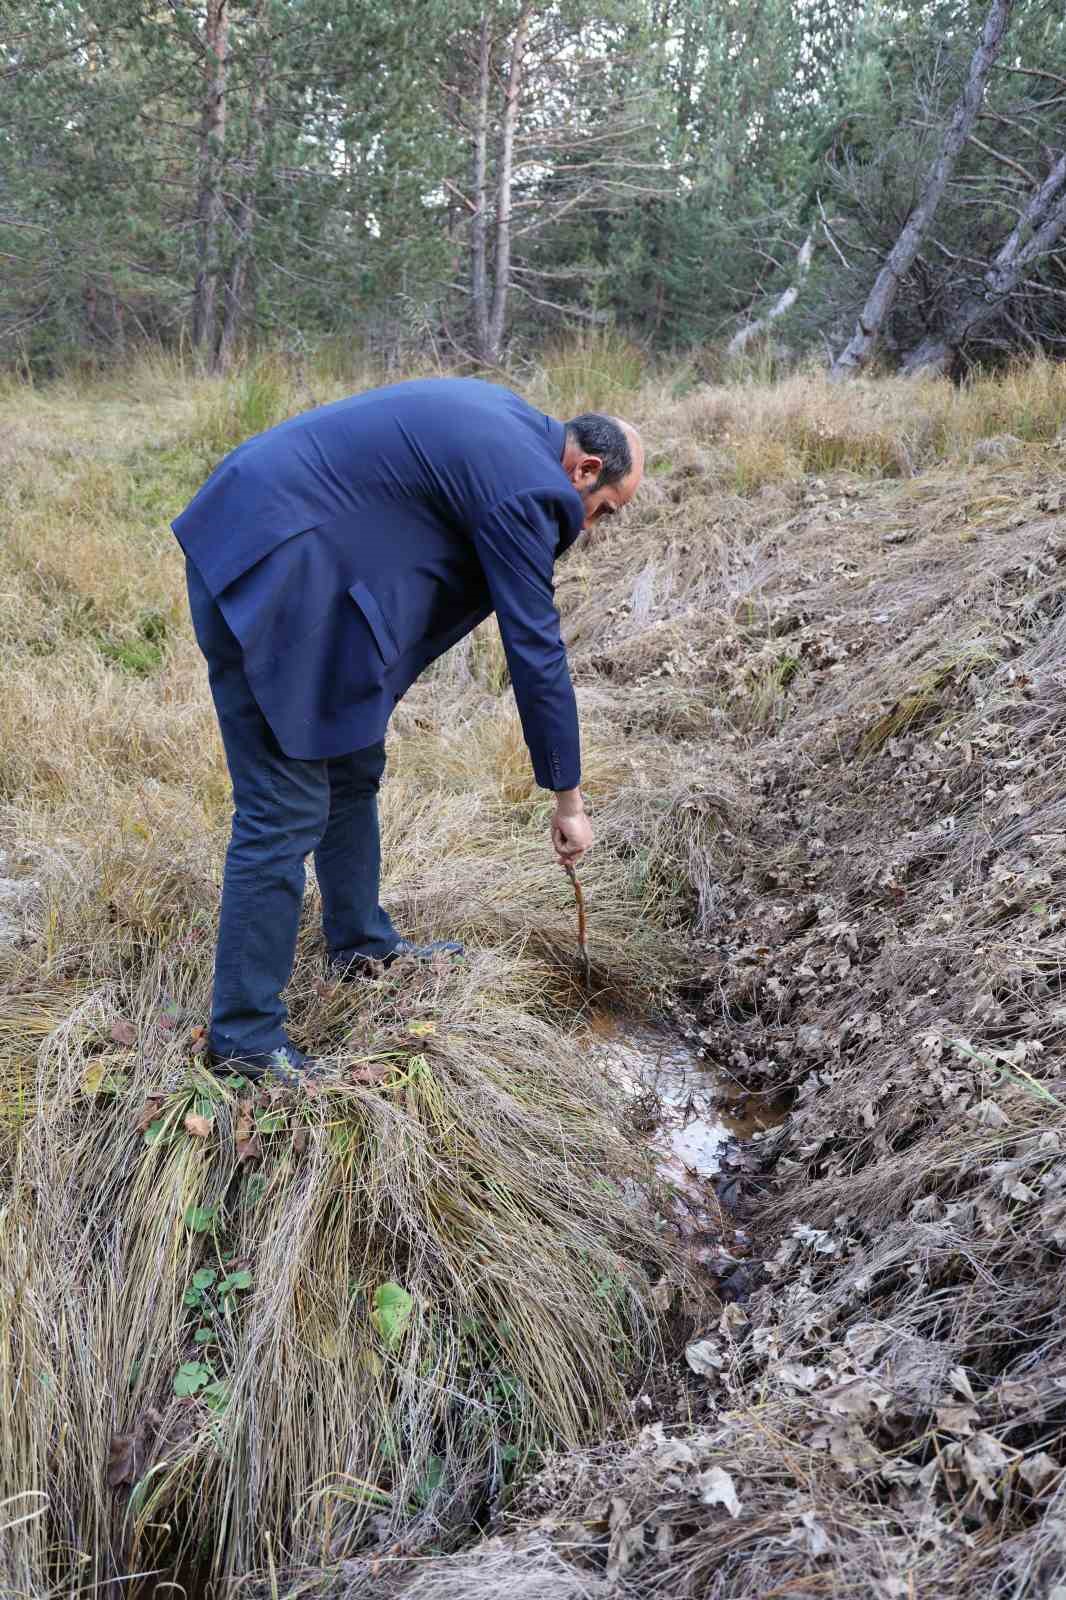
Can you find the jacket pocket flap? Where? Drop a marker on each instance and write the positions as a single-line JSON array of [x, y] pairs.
[[375, 619]]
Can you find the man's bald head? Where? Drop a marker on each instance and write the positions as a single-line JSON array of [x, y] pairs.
[[604, 459]]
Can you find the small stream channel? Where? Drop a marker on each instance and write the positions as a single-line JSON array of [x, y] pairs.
[[690, 1117]]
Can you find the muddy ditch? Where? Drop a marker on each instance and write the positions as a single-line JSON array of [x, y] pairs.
[[704, 1133]]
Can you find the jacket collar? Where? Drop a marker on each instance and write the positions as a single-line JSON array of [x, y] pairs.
[[557, 437]]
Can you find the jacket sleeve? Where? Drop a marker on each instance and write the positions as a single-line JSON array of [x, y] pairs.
[[516, 543]]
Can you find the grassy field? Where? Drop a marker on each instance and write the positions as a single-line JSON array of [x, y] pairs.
[[309, 1344]]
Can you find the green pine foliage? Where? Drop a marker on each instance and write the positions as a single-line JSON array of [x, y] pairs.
[[669, 162]]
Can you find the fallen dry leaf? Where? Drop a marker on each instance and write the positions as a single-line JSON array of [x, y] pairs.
[[199, 1126], [101, 1077], [123, 1032], [122, 1460], [860, 1397], [717, 1489], [1038, 1469], [705, 1357], [958, 1419], [810, 1536], [662, 1295], [149, 1111], [249, 1149], [198, 1041], [126, 1452], [376, 1073], [626, 1541]]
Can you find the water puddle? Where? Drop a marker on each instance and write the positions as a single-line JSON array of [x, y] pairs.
[[689, 1116], [16, 897]]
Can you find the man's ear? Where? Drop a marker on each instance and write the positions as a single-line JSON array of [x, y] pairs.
[[588, 471]]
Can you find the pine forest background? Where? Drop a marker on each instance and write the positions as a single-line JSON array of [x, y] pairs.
[[471, 179]]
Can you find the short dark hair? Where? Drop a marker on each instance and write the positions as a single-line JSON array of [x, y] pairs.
[[598, 435]]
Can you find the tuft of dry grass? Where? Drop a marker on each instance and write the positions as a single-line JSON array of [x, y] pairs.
[[877, 428], [461, 1161], [588, 370]]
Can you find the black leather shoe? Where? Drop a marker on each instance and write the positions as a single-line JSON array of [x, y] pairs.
[[287, 1065], [403, 950]]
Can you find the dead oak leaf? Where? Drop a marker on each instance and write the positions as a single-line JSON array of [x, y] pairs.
[[849, 1447], [717, 1488], [249, 1149], [1038, 1469], [153, 1105], [859, 1397], [626, 1542], [122, 1466], [127, 1451], [984, 1461], [957, 1418], [370, 1074]]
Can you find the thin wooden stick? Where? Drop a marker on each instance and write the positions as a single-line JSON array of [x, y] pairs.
[[582, 921]]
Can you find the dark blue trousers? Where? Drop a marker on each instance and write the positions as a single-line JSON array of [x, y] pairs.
[[283, 810]]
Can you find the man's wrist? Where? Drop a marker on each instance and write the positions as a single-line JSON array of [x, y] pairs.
[[569, 802]]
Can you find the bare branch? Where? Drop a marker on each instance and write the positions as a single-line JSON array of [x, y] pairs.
[[997, 155], [783, 303], [1034, 72], [459, 195], [902, 255], [1033, 235]]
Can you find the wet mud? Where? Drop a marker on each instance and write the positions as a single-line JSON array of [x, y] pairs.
[[703, 1132]]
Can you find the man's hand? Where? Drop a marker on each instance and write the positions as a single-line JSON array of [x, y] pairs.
[[571, 829]]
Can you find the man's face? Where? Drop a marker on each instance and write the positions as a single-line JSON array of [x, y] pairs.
[[613, 497]]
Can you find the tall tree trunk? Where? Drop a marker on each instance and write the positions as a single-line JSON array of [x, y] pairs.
[[479, 287], [241, 272], [859, 347], [1036, 232], [784, 302], [210, 208], [504, 181]]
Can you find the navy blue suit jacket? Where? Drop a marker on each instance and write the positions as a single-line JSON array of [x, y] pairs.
[[351, 546]]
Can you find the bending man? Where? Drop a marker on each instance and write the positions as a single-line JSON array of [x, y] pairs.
[[329, 561]]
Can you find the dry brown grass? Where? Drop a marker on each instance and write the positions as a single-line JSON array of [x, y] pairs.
[[819, 675], [777, 433]]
